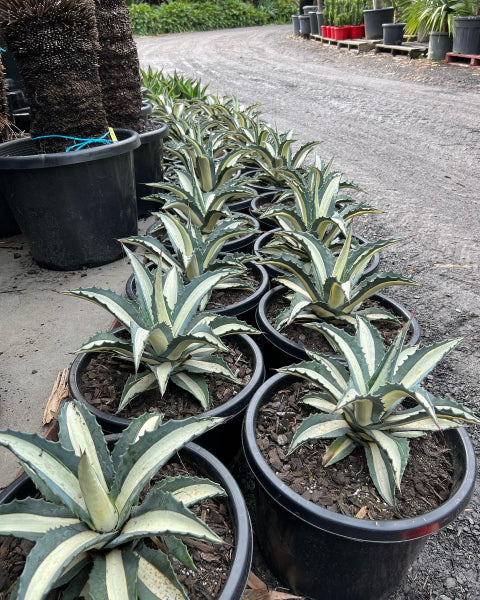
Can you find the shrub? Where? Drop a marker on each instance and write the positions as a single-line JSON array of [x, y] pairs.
[[206, 15]]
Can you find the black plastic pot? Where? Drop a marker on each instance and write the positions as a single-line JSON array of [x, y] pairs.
[[313, 22], [326, 555], [304, 21], [320, 21], [296, 25], [245, 309], [223, 441], [8, 223], [440, 42], [466, 35], [147, 108], [308, 8], [273, 271], [72, 206], [212, 468], [240, 244], [280, 351], [21, 118], [148, 159], [393, 33], [374, 19]]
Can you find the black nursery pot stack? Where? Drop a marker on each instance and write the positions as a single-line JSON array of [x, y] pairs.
[[55, 45]]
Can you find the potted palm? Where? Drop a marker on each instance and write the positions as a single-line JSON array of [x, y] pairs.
[[353, 533], [70, 186]]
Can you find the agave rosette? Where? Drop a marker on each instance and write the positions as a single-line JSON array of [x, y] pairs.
[[329, 287], [167, 335], [363, 405], [90, 531]]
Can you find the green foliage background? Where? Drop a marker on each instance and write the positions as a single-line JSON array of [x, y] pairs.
[[205, 15]]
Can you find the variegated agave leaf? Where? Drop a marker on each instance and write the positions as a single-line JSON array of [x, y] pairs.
[[80, 551], [364, 405]]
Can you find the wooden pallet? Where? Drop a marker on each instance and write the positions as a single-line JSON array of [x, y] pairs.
[[412, 50], [467, 60], [360, 45]]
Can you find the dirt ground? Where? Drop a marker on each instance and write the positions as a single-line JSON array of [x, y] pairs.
[[408, 132]]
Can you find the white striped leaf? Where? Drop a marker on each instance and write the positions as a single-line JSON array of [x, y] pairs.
[[122, 309], [420, 363], [162, 374], [391, 448], [56, 466], [139, 337], [52, 556], [153, 450], [374, 284], [338, 449], [371, 343], [210, 364], [319, 427], [156, 578], [194, 384], [321, 374], [102, 511], [170, 516], [144, 285], [135, 385], [381, 472], [319, 401], [107, 342], [342, 259], [79, 431], [114, 576], [187, 490], [136, 428], [32, 518]]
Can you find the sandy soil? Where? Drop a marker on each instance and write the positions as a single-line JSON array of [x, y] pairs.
[[407, 131]]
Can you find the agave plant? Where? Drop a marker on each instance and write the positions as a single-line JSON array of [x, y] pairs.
[[362, 406], [330, 287], [91, 529], [193, 255], [168, 337], [194, 205], [317, 206], [175, 86]]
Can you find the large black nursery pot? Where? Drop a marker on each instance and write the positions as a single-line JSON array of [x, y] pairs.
[[280, 351], [223, 441], [72, 206], [466, 35], [8, 224], [374, 19], [296, 25], [329, 556], [148, 159], [393, 33], [440, 42], [304, 25], [244, 309], [212, 468]]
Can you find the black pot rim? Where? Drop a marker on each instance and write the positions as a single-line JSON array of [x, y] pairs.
[[401, 530], [242, 552], [238, 308], [130, 141], [297, 350], [152, 136], [230, 408], [275, 271], [376, 10]]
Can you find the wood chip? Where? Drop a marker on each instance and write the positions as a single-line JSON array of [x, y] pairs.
[[58, 394], [361, 513]]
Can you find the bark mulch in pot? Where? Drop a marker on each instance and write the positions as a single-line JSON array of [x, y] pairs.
[[313, 340], [346, 487], [105, 376], [229, 296]]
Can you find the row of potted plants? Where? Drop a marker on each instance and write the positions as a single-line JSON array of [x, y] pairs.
[[118, 518], [183, 351]]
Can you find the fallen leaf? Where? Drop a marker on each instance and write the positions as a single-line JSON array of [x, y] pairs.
[[59, 393], [255, 582], [259, 591]]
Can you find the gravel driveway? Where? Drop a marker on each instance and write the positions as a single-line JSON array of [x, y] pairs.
[[408, 132]]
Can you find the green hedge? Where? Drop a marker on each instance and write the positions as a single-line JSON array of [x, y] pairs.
[[206, 15]]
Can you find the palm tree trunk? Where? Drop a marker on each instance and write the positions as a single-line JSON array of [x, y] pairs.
[[5, 127], [55, 44], [118, 65]]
